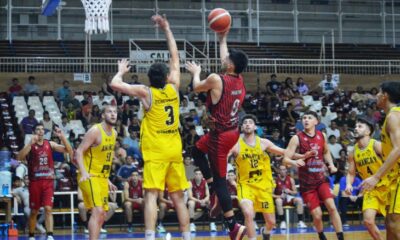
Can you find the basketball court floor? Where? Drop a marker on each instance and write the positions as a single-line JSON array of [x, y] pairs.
[[353, 232]]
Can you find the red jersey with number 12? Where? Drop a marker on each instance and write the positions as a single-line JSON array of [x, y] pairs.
[[312, 174], [224, 114], [40, 162]]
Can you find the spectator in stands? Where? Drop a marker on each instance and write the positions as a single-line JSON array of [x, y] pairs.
[[65, 126], [131, 144], [285, 194], [289, 116], [63, 92], [71, 99], [15, 89], [119, 153], [232, 188], [135, 79], [334, 147], [112, 206], [30, 88], [298, 102], [276, 138], [189, 167], [199, 199], [134, 124], [346, 136], [125, 171], [325, 117], [333, 130], [288, 89], [133, 195], [273, 86], [359, 95], [100, 100], [95, 115], [120, 129], [190, 140], [133, 104], [371, 95], [107, 90], [200, 108], [126, 114], [341, 119], [21, 170], [352, 119], [345, 200], [302, 87], [184, 109], [70, 112], [27, 123], [328, 86], [47, 123]]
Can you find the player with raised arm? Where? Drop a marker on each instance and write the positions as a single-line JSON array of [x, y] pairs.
[[94, 159], [226, 93], [160, 140], [314, 185]]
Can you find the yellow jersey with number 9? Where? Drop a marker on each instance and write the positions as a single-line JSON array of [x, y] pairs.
[[160, 139], [98, 159], [387, 147], [368, 162], [253, 165]]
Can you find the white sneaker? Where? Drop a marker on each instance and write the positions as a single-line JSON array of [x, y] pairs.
[[255, 225], [168, 236], [283, 225], [160, 229], [40, 228], [50, 238], [86, 231], [102, 230], [192, 227], [213, 227], [301, 224]]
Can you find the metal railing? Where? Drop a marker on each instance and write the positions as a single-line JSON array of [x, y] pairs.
[[265, 65]]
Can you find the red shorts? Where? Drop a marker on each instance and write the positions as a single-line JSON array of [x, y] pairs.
[[41, 193], [136, 206], [217, 147], [313, 197]]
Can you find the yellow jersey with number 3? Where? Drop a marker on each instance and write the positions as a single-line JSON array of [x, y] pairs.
[[160, 139], [368, 162], [98, 159], [387, 147], [253, 166]]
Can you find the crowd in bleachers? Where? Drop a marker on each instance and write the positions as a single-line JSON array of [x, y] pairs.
[[278, 107]]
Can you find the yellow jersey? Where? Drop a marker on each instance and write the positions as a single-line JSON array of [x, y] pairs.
[[368, 162], [253, 166], [387, 146], [98, 159], [160, 139]]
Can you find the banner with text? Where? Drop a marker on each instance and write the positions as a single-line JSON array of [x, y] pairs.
[[154, 55]]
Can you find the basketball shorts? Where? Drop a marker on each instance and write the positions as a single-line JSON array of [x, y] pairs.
[[313, 198], [394, 202], [95, 192], [41, 193], [260, 197], [217, 147], [161, 174], [376, 199]]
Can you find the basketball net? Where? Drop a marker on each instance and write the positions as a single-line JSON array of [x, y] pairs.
[[96, 12]]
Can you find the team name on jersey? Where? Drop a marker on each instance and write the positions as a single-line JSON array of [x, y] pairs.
[[108, 147], [367, 161], [161, 101], [236, 92]]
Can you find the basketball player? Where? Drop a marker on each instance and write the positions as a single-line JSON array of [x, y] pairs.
[[41, 175], [314, 185], [94, 158], [255, 184], [225, 97], [389, 100], [161, 142], [366, 159]]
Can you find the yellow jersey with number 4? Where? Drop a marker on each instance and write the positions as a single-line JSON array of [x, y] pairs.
[[160, 139], [368, 162], [98, 159], [253, 166], [387, 147]]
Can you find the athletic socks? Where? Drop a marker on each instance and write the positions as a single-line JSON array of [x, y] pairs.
[[149, 235], [230, 221], [322, 236], [186, 235], [340, 235]]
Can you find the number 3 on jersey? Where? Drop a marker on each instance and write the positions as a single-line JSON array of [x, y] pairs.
[[170, 111]]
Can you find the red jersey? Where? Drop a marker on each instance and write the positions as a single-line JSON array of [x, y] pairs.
[[199, 191], [224, 114], [312, 174], [135, 192], [282, 184], [40, 162]]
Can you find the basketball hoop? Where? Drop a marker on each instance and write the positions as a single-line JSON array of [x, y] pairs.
[[96, 12]]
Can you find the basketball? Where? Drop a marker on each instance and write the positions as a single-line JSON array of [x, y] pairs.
[[219, 20]]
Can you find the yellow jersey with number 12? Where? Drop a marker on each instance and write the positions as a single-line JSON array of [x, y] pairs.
[[160, 139], [368, 162], [98, 159], [387, 147], [253, 166]]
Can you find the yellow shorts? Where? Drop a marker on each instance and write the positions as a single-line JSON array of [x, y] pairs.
[[261, 198], [95, 192], [376, 199], [394, 204], [158, 175]]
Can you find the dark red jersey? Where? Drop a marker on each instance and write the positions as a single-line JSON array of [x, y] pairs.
[[282, 184], [224, 114], [313, 173], [135, 191], [40, 162], [199, 191]]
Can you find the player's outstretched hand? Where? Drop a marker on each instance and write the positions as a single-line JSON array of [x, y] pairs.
[[111, 186], [332, 168], [58, 132], [160, 21], [193, 68], [34, 139], [300, 163], [123, 66], [369, 183], [222, 35]]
